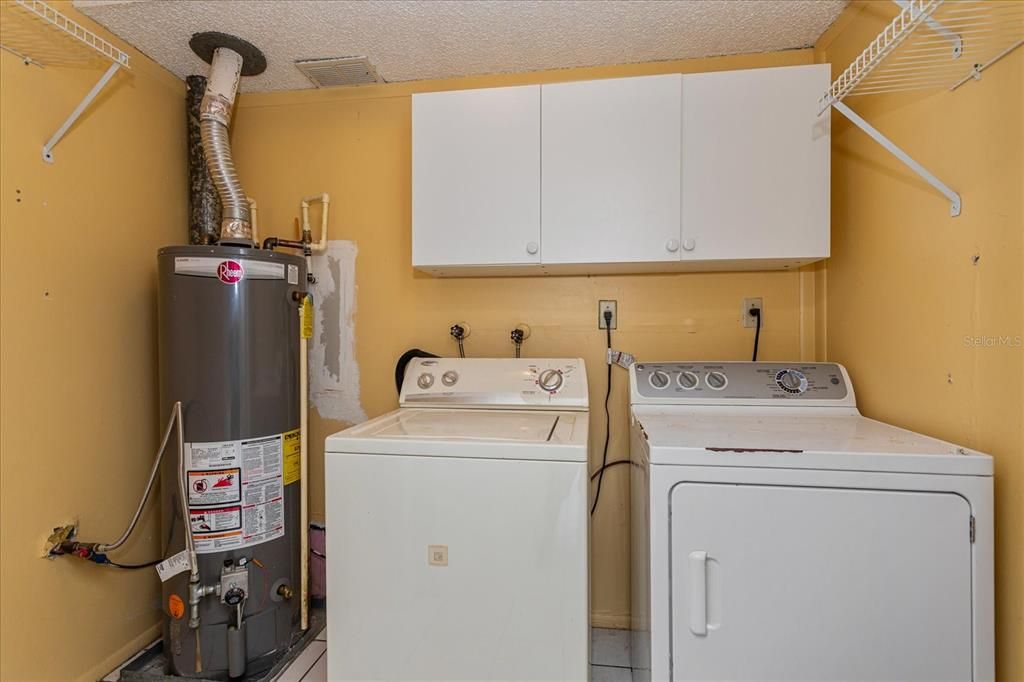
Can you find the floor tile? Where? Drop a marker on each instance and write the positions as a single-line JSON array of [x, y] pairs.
[[609, 647], [303, 663], [607, 673], [318, 673]]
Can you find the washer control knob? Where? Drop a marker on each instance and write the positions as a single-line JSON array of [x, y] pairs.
[[450, 377], [550, 380], [658, 379], [791, 381], [425, 380], [687, 380], [716, 380]]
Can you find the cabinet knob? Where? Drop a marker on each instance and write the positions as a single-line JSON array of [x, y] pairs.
[[689, 244], [532, 248], [672, 245]]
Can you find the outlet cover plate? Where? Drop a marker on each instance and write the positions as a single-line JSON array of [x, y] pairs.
[[748, 319], [607, 305]]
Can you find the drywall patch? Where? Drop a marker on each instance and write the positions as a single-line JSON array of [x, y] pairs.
[[333, 370]]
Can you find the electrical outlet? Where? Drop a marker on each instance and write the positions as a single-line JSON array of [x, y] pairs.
[[751, 320], [607, 305]]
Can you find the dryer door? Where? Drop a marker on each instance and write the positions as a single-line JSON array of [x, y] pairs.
[[786, 583]]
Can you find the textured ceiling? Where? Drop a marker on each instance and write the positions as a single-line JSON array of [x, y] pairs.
[[422, 39]]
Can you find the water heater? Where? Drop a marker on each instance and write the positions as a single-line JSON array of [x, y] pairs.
[[229, 328]]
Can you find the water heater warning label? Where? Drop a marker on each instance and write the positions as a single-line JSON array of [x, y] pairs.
[[236, 492]]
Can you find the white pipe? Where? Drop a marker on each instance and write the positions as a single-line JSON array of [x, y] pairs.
[[225, 72], [304, 468], [252, 220], [320, 245]]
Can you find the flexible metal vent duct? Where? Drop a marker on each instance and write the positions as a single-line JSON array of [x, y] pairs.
[[230, 58], [215, 116]]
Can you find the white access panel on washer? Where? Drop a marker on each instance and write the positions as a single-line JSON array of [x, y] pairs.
[[779, 534], [458, 538]]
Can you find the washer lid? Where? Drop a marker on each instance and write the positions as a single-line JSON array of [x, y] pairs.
[[485, 434], [806, 439]]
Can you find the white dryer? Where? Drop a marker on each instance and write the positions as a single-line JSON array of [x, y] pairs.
[[780, 535], [457, 527]]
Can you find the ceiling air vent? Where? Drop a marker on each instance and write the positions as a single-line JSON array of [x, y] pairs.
[[335, 71]]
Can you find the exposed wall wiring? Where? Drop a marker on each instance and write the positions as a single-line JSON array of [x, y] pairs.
[[607, 414]]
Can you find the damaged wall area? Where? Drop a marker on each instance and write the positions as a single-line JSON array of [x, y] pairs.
[[333, 370]]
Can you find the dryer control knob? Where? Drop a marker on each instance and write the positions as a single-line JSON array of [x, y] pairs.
[[450, 377], [716, 380], [658, 379], [550, 380], [791, 381], [425, 380], [687, 380]]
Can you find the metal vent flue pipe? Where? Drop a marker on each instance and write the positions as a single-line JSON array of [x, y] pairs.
[[215, 117]]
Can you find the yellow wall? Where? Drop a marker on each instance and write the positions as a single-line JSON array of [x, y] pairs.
[[903, 291], [355, 144], [78, 354]]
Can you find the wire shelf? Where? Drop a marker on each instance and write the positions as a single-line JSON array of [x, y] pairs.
[[39, 34], [932, 44]]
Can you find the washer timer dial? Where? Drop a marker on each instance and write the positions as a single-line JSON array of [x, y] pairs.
[[550, 380], [791, 381]]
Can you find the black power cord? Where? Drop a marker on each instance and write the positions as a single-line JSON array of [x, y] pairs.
[[607, 417], [756, 312], [609, 465]]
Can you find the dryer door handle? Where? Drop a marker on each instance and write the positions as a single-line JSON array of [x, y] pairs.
[[698, 593]]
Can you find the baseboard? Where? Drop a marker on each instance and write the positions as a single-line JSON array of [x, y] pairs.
[[103, 668], [612, 621]]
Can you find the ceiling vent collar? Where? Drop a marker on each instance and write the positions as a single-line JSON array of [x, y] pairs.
[[337, 71]]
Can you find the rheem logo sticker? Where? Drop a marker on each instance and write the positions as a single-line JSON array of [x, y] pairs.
[[230, 271]]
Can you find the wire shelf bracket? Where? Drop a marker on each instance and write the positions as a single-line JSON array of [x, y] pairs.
[[81, 37], [960, 39]]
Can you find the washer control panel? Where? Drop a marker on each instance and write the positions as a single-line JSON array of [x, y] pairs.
[[495, 382], [695, 382]]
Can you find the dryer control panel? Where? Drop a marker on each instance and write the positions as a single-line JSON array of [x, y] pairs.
[[742, 383]]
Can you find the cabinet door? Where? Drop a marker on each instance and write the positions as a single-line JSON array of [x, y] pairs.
[[755, 164], [801, 583], [611, 170], [476, 177]]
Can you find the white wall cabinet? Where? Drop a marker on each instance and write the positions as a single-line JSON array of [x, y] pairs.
[[610, 170], [476, 177], [715, 171], [756, 166]]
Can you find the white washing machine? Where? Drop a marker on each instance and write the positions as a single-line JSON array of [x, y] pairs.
[[780, 535], [457, 527]]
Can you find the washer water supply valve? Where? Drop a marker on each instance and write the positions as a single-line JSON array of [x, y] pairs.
[[460, 332]]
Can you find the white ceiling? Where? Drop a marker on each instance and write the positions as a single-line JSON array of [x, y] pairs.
[[422, 39]]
